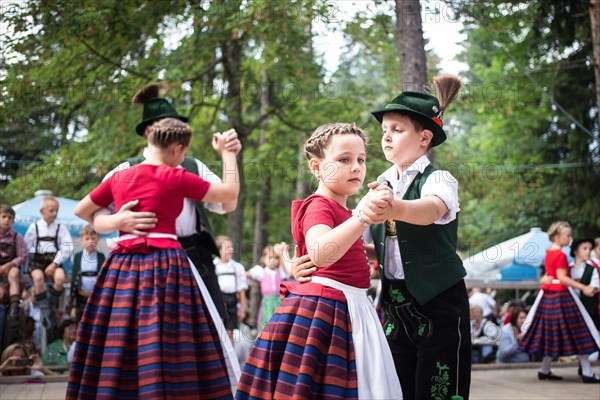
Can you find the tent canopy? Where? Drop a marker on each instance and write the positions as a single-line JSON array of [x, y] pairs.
[[515, 259]]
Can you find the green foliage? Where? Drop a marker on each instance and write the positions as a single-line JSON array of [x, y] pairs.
[[508, 128], [68, 71]]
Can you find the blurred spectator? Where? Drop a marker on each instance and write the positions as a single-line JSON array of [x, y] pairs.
[[16, 360], [13, 253], [485, 302], [86, 266], [270, 274], [232, 281], [595, 258], [584, 272], [49, 246], [509, 308], [56, 352], [508, 347], [484, 335]]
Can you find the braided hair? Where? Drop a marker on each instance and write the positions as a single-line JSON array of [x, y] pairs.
[[167, 131], [556, 229], [317, 142]]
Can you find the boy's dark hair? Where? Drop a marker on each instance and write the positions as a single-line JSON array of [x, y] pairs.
[[6, 209]]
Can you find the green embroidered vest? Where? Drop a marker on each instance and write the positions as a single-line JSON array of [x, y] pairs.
[[428, 253], [190, 165]]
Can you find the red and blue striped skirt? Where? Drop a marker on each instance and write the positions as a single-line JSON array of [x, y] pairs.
[[145, 334], [557, 327], [304, 352]]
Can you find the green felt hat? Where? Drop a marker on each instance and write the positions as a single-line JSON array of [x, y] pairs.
[[155, 109], [424, 107]]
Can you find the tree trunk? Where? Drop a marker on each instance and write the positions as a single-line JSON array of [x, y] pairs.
[[411, 48], [301, 185], [410, 44], [264, 192], [595, 18], [235, 219], [232, 52]]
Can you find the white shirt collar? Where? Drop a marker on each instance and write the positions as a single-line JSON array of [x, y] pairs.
[[44, 224], [391, 174]]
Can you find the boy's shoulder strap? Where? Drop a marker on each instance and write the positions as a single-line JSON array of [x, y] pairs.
[[135, 160], [101, 259], [190, 165]]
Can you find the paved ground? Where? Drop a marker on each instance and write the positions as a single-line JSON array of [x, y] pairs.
[[490, 384]]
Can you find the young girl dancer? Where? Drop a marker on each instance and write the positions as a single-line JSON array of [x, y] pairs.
[[325, 339], [557, 324], [270, 275], [146, 331]]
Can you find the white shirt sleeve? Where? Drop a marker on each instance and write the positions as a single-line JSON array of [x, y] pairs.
[[257, 272], [205, 173], [240, 273], [443, 185], [65, 244], [30, 238]]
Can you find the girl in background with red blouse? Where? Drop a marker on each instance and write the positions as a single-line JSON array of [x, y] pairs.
[[146, 331], [325, 339], [557, 324]]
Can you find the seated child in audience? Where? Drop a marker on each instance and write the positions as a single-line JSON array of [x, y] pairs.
[[86, 266]]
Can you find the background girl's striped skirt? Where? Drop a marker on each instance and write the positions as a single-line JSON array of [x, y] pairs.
[[304, 352], [145, 333], [557, 326]]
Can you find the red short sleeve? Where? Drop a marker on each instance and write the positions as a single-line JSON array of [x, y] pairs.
[[561, 261], [194, 187], [319, 212], [102, 195]]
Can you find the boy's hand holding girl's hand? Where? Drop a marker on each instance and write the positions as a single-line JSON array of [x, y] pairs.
[[589, 291], [378, 203], [226, 141]]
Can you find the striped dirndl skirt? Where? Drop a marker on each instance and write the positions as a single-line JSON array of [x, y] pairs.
[[146, 334], [304, 352], [558, 325]]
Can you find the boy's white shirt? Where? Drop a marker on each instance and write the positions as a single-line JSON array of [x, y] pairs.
[[89, 262], [440, 183], [185, 225], [64, 240], [577, 273], [229, 283]]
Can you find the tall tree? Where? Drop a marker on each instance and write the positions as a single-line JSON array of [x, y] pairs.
[[595, 24], [527, 154], [411, 46]]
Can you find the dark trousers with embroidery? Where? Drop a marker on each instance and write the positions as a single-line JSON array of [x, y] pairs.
[[430, 343]]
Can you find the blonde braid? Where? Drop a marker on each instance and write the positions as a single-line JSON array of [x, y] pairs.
[[317, 143], [167, 131]]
